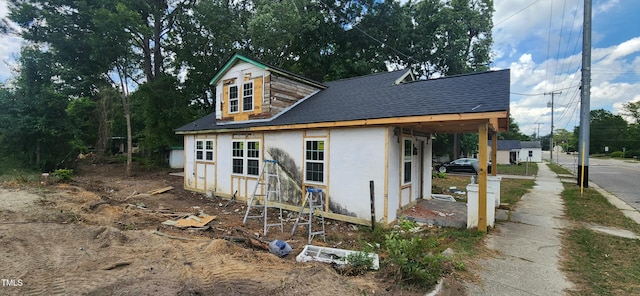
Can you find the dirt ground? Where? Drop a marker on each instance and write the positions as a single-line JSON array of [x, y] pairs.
[[102, 235]]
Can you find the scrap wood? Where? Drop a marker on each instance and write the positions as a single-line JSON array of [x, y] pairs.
[[191, 221], [160, 190]]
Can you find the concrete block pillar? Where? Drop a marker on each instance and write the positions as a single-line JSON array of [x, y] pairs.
[[472, 206], [494, 181]]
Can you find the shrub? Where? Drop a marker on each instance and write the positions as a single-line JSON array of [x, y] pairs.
[[408, 263], [616, 154], [63, 175]]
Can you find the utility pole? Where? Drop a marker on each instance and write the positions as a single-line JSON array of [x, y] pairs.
[[538, 131], [585, 98], [551, 139]]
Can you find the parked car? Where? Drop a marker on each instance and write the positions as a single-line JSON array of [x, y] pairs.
[[462, 165]]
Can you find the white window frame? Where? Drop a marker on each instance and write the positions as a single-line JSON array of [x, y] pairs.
[[241, 153], [204, 150], [407, 146], [309, 159], [247, 95], [235, 99]]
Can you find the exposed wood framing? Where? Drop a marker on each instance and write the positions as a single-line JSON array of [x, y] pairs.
[[482, 177]]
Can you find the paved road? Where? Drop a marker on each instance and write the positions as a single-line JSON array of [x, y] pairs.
[[621, 178]]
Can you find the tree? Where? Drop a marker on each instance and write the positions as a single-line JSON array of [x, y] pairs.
[[607, 130], [33, 119], [513, 133], [632, 110], [564, 138], [163, 108]]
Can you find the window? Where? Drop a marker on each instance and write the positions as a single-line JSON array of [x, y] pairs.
[[247, 96], [233, 99], [238, 158], [204, 150], [199, 150], [246, 153], [314, 161], [408, 154], [253, 158]]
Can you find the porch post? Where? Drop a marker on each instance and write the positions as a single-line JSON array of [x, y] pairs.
[[483, 142], [494, 153]]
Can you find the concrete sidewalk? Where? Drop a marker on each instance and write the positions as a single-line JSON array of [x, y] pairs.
[[528, 245]]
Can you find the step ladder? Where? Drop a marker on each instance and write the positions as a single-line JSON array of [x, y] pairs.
[[267, 190], [313, 200]]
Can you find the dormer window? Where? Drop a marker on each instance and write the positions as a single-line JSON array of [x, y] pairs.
[[247, 96], [233, 99]]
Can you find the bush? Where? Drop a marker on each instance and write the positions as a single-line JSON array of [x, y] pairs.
[[632, 153], [63, 175], [408, 262], [616, 154]]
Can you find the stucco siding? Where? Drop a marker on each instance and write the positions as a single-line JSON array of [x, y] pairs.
[[356, 157]]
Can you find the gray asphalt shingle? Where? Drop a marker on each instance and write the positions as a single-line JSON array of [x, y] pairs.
[[376, 96]]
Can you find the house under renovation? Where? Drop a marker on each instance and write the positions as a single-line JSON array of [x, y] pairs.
[[336, 136]]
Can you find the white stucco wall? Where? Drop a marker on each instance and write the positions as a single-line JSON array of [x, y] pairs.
[[353, 157], [357, 156]]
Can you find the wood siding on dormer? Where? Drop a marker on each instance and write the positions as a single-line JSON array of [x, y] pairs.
[[285, 92], [272, 93]]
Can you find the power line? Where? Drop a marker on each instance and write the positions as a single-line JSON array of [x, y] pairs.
[[517, 12]]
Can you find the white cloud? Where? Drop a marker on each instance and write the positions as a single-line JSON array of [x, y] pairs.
[[542, 62], [9, 48]]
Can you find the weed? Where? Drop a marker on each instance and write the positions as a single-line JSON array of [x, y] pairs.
[[357, 263], [63, 175]]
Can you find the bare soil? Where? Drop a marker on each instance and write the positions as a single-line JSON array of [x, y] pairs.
[[98, 235]]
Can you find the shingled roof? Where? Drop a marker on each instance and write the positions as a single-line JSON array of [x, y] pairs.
[[378, 96]]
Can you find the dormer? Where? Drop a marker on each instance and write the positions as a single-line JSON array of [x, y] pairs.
[[247, 89]]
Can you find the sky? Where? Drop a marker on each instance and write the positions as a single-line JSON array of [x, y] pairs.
[[541, 42]]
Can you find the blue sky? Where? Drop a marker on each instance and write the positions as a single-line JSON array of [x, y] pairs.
[[541, 42]]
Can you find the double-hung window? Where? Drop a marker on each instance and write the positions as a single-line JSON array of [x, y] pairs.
[[204, 150], [314, 161], [233, 99], [245, 158], [237, 162], [407, 156], [247, 96]]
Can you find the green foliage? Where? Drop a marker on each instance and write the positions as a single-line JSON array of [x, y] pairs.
[[63, 175], [357, 263], [616, 154], [163, 108], [439, 175], [410, 263]]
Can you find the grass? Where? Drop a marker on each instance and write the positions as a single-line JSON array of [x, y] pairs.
[[592, 207], [558, 169], [604, 264], [600, 264], [11, 172], [522, 169], [511, 190]]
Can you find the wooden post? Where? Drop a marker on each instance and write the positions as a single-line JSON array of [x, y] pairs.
[[483, 142], [373, 208], [494, 153]]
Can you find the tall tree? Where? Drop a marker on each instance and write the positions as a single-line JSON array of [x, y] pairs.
[[514, 132], [607, 130], [33, 118]]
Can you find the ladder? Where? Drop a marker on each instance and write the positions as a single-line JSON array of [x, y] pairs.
[[267, 189], [314, 199]]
